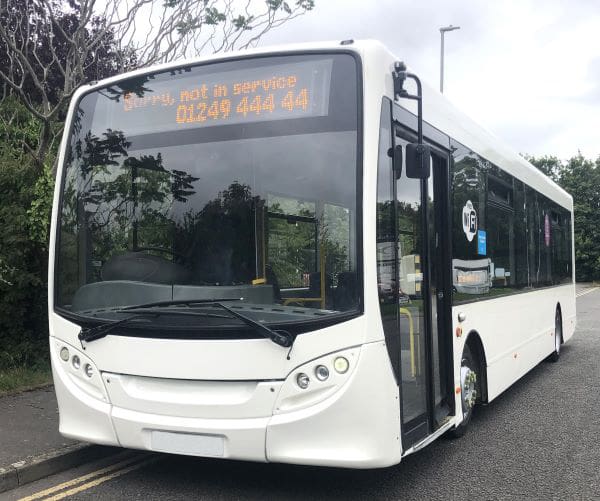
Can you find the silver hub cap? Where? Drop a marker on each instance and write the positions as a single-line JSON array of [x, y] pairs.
[[468, 393], [557, 336]]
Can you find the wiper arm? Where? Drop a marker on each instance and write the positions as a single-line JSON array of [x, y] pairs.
[[176, 302], [100, 331], [282, 338]]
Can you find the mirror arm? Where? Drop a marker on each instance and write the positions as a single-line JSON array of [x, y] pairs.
[[400, 74]]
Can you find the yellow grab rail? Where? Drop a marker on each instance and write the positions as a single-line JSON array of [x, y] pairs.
[[411, 332]]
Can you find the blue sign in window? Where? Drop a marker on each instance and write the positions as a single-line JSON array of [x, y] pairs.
[[481, 242]]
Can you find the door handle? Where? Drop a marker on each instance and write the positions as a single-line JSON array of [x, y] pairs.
[[440, 295]]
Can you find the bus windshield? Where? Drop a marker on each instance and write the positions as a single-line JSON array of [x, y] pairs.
[[235, 180]]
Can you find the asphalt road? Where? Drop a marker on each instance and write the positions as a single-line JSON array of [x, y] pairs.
[[539, 440]]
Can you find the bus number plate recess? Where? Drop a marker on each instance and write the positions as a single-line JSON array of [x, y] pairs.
[[190, 444]]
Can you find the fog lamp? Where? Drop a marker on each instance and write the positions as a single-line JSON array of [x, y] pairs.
[[64, 353], [341, 365], [321, 372], [302, 380]]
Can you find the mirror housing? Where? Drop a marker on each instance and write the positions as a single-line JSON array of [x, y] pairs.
[[418, 164]]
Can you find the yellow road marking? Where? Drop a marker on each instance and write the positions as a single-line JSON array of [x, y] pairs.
[[78, 480], [101, 480]]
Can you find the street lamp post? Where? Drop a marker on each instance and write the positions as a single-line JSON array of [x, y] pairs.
[[443, 30]]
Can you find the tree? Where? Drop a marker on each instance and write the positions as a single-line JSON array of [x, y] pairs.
[[550, 165], [48, 48], [581, 178]]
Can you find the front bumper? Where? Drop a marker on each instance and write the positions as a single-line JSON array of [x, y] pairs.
[[355, 426]]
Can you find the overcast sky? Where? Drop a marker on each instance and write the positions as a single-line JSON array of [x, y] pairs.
[[527, 70]]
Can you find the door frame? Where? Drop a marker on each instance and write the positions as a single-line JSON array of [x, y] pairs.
[[421, 427]]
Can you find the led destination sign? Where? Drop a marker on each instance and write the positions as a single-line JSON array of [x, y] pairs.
[[264, 93]]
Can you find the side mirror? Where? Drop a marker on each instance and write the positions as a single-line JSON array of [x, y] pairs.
[[418, 161]]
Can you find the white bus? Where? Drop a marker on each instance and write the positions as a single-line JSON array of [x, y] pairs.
[[278, 256]]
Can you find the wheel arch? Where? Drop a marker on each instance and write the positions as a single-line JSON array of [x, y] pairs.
[[476, 346]]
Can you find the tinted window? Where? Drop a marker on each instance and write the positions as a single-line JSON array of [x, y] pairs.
[[506, 237]]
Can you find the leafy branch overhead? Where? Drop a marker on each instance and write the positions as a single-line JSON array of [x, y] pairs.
[[48, 48]]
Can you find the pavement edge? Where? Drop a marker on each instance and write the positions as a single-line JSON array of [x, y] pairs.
[[41, 466]]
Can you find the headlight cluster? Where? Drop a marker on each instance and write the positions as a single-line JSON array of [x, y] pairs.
[[80, 370], [316, 380], [321, 372], [76, 362]]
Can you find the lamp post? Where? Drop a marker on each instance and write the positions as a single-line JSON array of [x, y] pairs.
[[443, 30]]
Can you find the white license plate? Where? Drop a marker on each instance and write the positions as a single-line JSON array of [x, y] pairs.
[[190, 444]]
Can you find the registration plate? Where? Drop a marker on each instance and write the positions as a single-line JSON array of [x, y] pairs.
[[191, 444]]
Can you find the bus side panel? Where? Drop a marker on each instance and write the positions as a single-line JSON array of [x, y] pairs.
[[569, 314], [517, 332]]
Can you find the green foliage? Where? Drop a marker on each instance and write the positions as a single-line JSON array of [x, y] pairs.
[[581, 178], [23, 265], [40, 209], [19, 130], [242, 22], [213, 16], [21, 378], [550, 165]]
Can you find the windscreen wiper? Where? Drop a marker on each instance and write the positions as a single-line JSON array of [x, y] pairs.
[[183, 302], [92, 333], [100, 331], [282, 338]]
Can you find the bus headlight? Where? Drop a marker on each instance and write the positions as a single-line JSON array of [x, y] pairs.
[[79, 370], [64, 354], [300, 390], [341, 365], [321, 372], [303, 380]]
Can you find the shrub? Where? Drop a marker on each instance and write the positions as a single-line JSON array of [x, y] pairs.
[[25, 199]]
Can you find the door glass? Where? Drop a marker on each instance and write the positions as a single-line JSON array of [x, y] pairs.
[[293, 241], [411, 307], [434, 281]]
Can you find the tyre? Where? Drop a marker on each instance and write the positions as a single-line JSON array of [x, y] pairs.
[[557, 337], [469, 390]]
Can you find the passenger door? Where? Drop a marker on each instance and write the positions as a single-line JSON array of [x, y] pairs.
[[423, 322], [414, 280]]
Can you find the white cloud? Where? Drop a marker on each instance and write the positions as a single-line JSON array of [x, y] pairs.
[[528, 70]]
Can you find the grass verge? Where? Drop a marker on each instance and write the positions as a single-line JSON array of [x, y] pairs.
[[23, 378]]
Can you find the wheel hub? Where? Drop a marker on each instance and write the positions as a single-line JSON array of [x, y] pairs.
[[468, 379]]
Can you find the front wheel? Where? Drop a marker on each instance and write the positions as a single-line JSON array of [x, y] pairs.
[[557, 337], [469, 390]]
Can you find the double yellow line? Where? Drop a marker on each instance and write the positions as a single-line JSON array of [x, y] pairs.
[[93, 479]]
